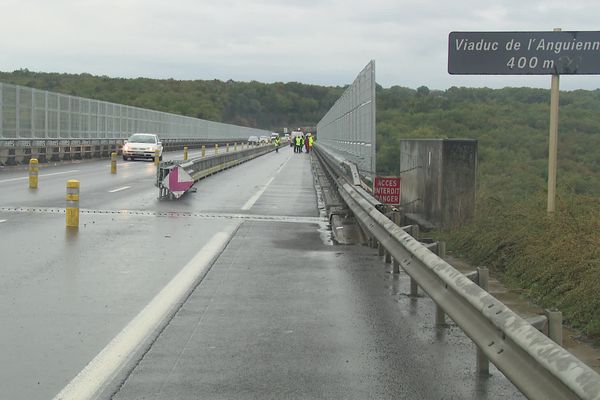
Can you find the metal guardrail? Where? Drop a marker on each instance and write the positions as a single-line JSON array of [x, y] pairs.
[[535, 364], [199, 168], [20, 151]]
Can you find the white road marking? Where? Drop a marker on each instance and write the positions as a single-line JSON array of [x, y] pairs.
[[119, 189], [248, 205], [42, 175], [283, 165], [2, 220], [256, 196], [140, 330]]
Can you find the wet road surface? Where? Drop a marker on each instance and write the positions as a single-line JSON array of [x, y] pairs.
[[281, 314]]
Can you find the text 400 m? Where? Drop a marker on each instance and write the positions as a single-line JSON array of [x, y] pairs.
[[529, 62]]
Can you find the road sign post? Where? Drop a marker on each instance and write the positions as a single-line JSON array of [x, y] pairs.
[[528, 53]]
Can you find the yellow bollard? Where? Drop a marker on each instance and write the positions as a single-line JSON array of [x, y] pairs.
[[72, 203], [113, 162], [185, 153], [227, 150], [216, 148], [203, 151], [156, 156], [33, 173]]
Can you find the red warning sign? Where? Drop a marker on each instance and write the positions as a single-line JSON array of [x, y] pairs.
[[387, 189]]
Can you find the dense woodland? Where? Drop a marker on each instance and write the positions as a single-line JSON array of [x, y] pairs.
[[555, 259]]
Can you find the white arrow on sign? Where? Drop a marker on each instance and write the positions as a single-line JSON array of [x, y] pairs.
[[178, 181]]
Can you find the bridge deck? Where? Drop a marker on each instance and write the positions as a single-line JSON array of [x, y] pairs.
[[285, 314]]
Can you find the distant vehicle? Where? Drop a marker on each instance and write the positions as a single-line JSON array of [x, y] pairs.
[[274, 136], [253, 140], [142, 145], [286, 137], [264, 139]]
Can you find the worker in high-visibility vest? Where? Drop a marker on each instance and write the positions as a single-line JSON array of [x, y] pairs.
[[310, 142], [298, 141], [277, 144]]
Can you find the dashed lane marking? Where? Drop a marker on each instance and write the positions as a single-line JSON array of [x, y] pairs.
[[41, 176], [170, 214], [256, 196], [119, 189]]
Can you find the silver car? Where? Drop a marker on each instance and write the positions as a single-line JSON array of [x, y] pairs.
[[142, 145]]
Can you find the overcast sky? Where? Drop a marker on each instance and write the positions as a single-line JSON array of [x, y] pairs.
[[323, 42]]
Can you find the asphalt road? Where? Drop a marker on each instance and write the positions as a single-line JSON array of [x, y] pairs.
[[282, 313]]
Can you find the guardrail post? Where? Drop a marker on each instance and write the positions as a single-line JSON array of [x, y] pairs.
[[113, 162], [372, 242], [203, 151], [414, 231], [227, 148], [414, 287], [185, 153], [216, 148], [555, 326], [395, 263], [380, 249], [440, 314], [388, 257], [72, 208], [235, 146], [483, 363], [33, 173], [395, 266], [397, 218]]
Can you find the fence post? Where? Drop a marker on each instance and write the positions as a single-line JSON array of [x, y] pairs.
[[185, 153]]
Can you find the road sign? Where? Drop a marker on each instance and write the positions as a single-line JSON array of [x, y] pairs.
[[524, 53], [387, 189], [178, 181]]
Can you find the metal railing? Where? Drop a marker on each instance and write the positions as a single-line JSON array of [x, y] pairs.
[[536, 365], [348, 128], [27, 113]]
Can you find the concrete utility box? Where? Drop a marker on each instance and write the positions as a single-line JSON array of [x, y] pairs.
[[438, 181]]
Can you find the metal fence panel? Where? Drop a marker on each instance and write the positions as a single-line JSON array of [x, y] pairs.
[[348, 128], [32, 113]]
